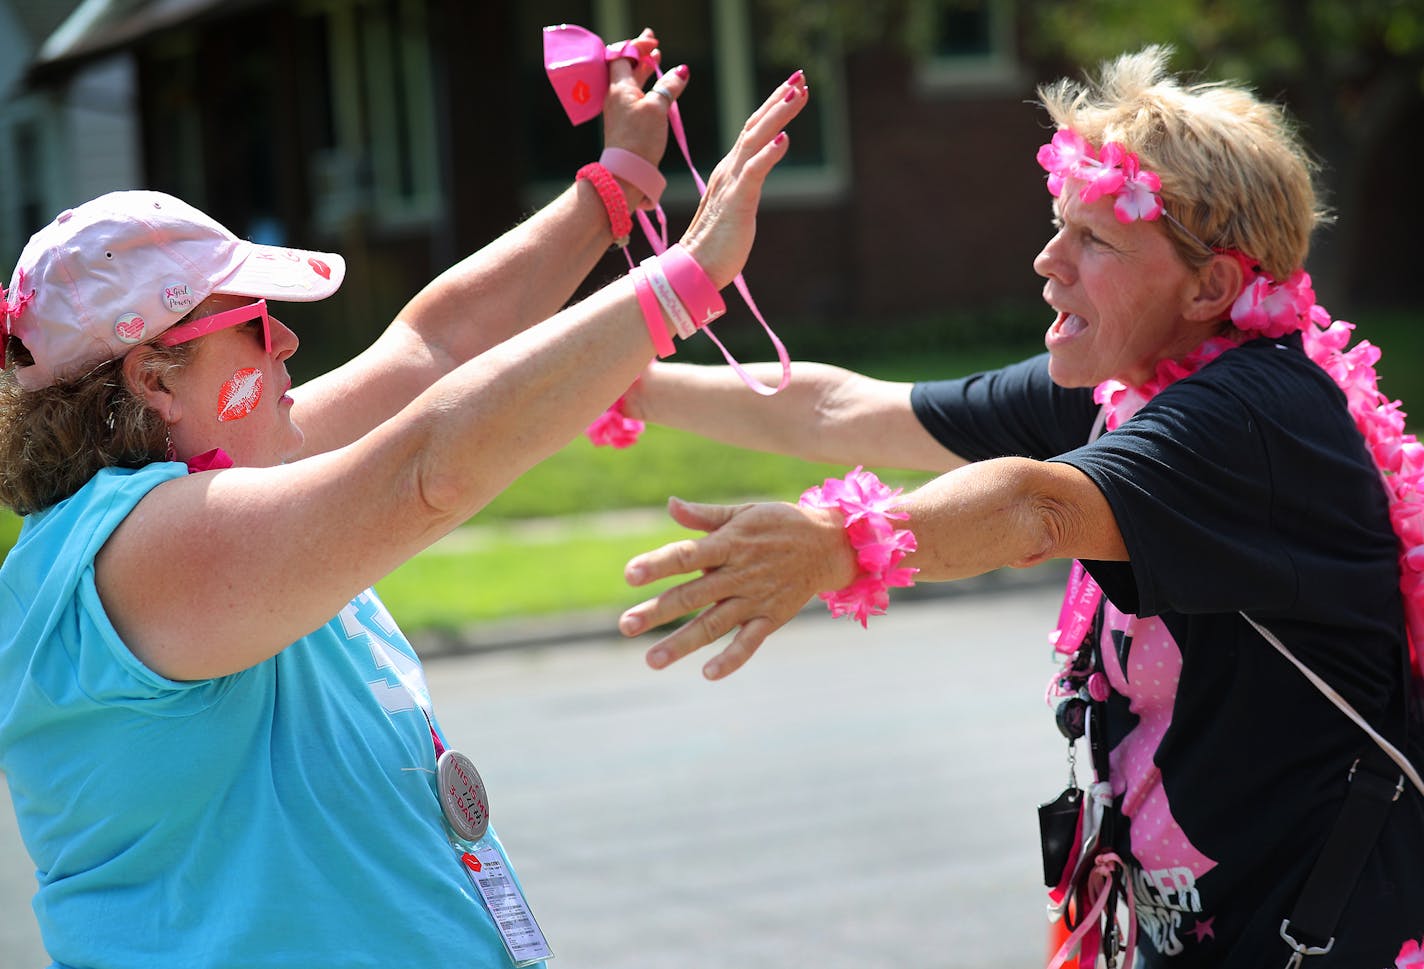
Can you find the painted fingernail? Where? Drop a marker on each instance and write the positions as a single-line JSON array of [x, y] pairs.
[[791, 95], [780, 137], [682, 71], [796, 75]]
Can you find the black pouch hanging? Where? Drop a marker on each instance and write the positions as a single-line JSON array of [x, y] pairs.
[[1059, 835]]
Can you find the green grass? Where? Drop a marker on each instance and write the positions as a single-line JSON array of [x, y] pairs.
[[504, 571]]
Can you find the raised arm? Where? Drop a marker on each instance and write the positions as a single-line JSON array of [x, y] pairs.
[[825, 414], [212, 573], [523, 277], [760, 563]]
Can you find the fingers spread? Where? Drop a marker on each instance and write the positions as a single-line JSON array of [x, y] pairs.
[[743, 646], [691, 514]]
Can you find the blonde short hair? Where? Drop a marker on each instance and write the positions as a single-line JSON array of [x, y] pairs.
[[1233, 169]]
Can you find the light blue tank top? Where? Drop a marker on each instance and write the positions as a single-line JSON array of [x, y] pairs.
[[284, 816]]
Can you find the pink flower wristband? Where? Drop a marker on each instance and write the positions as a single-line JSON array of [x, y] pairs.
[[868, 507]]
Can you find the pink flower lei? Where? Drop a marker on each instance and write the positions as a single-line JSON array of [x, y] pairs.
[[868, 507], [1269, 308]]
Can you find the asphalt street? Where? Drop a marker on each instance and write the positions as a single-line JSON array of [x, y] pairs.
[[851, 798]]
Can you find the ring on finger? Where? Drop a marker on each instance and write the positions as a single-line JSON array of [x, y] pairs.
[[658, 88]]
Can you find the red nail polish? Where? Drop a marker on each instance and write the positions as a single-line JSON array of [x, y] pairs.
[[780, 137], [682, 70], [791, 95], [796, 76]]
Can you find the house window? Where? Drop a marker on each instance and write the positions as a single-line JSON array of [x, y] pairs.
[[376, 133], [964, 43], [732, 69]]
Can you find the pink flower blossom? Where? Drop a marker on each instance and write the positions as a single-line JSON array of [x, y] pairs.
[[1411, 955], [615, 429], [1274, 309], [1137, 199], [868, 507], [1063, 157], [1104, 176]]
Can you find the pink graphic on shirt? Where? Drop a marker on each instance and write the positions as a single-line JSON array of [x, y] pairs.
[[239, 394], [1154, 665]]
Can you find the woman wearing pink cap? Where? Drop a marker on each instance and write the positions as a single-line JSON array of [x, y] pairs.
[[1234, 648], [221, 748]]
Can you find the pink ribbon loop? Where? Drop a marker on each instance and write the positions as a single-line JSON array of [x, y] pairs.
[[576, 61]]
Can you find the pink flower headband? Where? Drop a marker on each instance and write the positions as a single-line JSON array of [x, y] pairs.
[[1269, 308], [1264, 306], [1113, 171]]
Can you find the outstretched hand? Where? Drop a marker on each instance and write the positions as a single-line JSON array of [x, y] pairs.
[[760, 563], [721, 233]]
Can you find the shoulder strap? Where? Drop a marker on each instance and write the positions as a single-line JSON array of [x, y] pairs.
[[1343, 705]]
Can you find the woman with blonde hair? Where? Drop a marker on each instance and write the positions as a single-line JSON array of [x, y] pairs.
[[1244, 513], [221, 748]]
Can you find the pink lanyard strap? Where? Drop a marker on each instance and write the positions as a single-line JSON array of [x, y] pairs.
[[658, 241], [1080, 603]]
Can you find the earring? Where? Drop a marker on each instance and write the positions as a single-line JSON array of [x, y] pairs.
[[171, 454]]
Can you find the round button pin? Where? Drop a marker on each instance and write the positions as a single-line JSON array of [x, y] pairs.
[[462, 795]]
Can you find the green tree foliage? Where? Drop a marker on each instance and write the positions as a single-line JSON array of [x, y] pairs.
[[1351, 71]]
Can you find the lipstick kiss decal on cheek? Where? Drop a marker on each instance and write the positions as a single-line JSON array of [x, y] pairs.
[[240, 394]]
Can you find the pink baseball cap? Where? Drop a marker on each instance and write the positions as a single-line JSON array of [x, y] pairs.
[[121, 269]]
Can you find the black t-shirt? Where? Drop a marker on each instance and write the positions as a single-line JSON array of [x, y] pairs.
[[1245, 487]]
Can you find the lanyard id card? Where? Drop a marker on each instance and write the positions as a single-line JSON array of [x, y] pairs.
[[523, 938], [466, 808]]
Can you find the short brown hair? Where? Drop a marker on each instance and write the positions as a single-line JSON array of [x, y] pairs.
[[1233, 169], [55, 439]]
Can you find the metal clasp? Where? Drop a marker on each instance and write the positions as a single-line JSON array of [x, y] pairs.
[[1398, 785], [1301, 951]]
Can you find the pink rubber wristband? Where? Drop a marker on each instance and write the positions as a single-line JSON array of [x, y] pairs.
[[613, 201], [652, 316], [638, 172], [692, 285], [682, 323]]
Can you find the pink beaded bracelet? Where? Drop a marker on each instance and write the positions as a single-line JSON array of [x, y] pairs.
[[613, 201], [868, 506]]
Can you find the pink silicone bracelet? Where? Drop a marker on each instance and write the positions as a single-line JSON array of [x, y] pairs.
[[692, 286], [682, 322], [638, 172], [652, 316]]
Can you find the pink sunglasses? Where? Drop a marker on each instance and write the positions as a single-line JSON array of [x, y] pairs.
[[217, 321]]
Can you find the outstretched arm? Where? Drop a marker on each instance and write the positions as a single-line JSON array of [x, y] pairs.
[[826, 413], [212, 573], [760, 563]]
